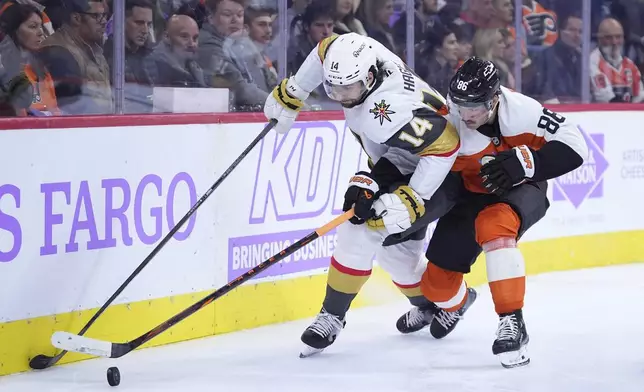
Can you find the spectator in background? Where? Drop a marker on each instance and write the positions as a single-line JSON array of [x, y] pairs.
[[441, 58], [376, 15], [317, 23], [479, 14], [222, 67], [464, 49], [531, 78], [252, 49], [175, 56], [630, 13], [195, 10], [425, 16], [48, 28], [24, 34], [140, 70], [503, 15], [15, 95], [561, 64], [615, 78], [74, 56], [295, 9], [489, 44], [346, 21]]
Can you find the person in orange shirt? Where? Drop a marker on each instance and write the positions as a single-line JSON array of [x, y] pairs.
[[23, 26], [614, 77]]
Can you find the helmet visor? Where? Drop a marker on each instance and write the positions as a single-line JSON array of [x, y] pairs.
[[345, 93], [472, 111]]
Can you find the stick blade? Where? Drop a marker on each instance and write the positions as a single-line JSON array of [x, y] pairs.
[[81, 344]]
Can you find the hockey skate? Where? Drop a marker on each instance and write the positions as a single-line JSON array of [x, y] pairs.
[[444, 322], [321, 333], [416, 319], [511, 344]]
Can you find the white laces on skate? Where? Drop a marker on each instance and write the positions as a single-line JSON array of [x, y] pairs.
[[325, 323], [508, 328], [446, 319], [415, 316]]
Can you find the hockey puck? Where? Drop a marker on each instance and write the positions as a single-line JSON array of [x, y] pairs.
[[113, 376]]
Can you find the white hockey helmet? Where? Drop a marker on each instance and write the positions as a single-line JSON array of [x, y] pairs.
[[346, 65]]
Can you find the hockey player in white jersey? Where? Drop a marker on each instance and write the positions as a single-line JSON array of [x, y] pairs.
[[510, 147], [398, 120]]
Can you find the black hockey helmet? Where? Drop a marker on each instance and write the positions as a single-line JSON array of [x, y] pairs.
[[475, 83]]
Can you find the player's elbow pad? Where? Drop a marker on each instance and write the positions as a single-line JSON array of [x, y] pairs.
[[555, 159]]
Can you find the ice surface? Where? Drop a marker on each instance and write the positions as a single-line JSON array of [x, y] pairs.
[[585, 327]]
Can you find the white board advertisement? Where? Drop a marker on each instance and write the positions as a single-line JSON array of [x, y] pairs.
[[81, 208]]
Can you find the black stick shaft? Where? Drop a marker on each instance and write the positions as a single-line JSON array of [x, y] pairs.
[[168, 236]]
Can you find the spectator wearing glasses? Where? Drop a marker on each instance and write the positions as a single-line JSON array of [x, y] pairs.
[[74, 56], [23, 26]]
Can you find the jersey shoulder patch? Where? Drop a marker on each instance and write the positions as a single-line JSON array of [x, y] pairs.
[[385, 111], [427, 133], [323, 46]]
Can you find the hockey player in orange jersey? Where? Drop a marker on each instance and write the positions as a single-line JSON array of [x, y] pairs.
[[510, 146]]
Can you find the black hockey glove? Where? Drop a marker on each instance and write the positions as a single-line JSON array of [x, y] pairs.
[[361, 194], [506, 169]]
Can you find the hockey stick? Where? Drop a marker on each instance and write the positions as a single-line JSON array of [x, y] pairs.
[[101, 348], [42, 361]]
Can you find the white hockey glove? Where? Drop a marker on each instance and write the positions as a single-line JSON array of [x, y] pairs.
[[397, 211], [284, 103]]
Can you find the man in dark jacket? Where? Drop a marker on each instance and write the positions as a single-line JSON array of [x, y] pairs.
[[560, 64], [176, 53], [140, 70], [317, 23], [74, 57]]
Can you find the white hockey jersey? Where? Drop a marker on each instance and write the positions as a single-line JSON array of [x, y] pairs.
[[520, 120], [401, 120]]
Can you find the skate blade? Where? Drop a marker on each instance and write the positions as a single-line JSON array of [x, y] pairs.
[[309, 351], [514, 359]]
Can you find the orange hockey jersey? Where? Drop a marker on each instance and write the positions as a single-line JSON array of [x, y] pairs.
[[520, 121]]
